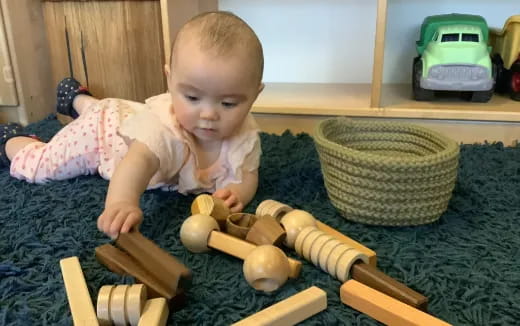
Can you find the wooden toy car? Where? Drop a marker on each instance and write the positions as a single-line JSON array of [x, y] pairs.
[[506, 55], [453, 55]]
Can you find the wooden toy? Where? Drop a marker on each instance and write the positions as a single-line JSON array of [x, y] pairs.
[[140, 257], [162, 265], [200, 232], [342, 261], [78, 296], [266, 268], [121, 304], [295, 223], [117, 305], [208, 205], [266, 230], [238, 224], [155, 313], [338, 261], [103, 305], [273, 208], [384, 308], [376, 279], [290, 311], [135, 300]]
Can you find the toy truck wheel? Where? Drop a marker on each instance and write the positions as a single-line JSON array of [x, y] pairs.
[[482, 96], [515, 81], [502, 75], [419, 93]]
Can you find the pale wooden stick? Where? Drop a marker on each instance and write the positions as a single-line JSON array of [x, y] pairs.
[[155, 313], [239, 248], [289, 311], [384, 308], [80, 302]]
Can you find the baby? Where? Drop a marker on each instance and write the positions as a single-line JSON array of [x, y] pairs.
[[199, 137]]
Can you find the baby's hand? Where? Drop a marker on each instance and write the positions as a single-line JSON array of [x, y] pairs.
[[230, 199], [118, 218]]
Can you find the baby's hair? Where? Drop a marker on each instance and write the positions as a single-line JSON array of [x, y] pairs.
[[223, 32]]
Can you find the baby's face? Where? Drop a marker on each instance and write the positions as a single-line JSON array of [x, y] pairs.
[[211, 94]]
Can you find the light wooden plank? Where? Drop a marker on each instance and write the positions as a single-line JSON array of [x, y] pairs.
[[80, 303], [155, 313], [122, 43], [379, 54], [175, 13], [290, 311], [30, 59], [384, 308], [7, 84]]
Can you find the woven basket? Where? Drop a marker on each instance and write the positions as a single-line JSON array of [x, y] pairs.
[[386, 173]]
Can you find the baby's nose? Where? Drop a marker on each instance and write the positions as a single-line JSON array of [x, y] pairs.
[[208, 113]]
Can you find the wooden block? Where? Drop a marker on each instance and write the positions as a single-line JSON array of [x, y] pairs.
[[117, 305], [239, 224], [208, 205], [377, 280], [80, 302], [372, 258], [241, 249], [155, 313], [290, 311], [384, 308], [115, 259], [266, 230], [168, 270], [103, 305], [135, 300]]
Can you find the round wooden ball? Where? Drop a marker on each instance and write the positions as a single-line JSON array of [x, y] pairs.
[[293, 222], [195, 232], [266, 268]]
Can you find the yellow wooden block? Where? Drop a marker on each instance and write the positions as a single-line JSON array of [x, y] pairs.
[[384, 308], [155, 313], [80, 302]]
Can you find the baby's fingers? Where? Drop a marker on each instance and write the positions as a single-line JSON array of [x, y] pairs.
[[133, 219], [222, 193], [117, 223]]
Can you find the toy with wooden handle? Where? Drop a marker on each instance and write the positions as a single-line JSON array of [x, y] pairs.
[[342, 261], [294, 220], [200, 232]]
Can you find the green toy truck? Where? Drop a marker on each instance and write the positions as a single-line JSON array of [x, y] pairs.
[[453, 56], [506, 56]]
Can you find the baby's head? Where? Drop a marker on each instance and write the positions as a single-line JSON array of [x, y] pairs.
[[215, 74]]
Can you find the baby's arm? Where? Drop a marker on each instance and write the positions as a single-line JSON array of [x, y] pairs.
[[238, 195], [129, 181]]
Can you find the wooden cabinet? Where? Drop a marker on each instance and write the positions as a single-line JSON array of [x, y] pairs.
[[26, 91]]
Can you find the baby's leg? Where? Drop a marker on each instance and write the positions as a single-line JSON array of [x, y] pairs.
[[73, 151]]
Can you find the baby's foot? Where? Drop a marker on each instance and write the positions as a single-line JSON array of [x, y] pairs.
[[7, 131], [66, 91]]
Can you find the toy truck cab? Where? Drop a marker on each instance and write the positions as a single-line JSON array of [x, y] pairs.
[[453, 56], [506, 55]]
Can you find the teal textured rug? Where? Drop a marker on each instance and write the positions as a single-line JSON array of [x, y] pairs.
[[467, 263]]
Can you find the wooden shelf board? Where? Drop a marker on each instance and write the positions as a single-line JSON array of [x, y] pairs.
[[397, 102], [314, 99]]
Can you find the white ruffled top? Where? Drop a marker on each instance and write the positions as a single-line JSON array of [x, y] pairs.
[[156, 126]]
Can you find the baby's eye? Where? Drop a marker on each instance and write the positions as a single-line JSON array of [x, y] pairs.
[[191, 98], [229, 104]]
